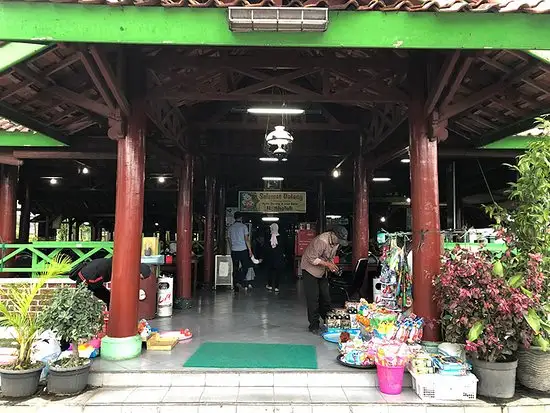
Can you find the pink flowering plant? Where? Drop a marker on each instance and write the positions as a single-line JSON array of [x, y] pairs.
[[482, 308], [525, 228]]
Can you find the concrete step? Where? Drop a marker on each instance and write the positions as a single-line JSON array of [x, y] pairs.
[[257, 400], [235, 378]]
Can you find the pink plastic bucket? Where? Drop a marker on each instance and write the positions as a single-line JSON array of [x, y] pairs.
[[390, 379]]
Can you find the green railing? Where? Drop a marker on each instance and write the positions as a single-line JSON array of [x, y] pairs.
[[42, 252]]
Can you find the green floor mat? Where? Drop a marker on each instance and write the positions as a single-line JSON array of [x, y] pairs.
[[253, 356]]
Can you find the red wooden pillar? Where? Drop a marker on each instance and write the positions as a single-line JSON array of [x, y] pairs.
[[360, 240], [209, 229], [128, 226], [322, 219], [426, 239], [8, 206], [185, 230], [25, 201]]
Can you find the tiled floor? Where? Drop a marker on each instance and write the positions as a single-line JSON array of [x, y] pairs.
[[256, 317], [258, 399]]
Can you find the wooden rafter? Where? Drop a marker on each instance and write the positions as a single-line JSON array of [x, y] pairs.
[[506, 83], [112, 82], [48, 88], [16, 116], [440, 82], [383, 123], [96, 77], [274, 59]]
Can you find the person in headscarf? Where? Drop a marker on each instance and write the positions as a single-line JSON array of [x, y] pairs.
[[275, 258], [317, 262]]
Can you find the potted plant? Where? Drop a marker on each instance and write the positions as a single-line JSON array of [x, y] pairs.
[[488, 313], [525, 226], [21, 378], [75, 315]]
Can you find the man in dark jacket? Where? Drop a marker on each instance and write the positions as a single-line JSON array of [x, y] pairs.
[[98, 272]]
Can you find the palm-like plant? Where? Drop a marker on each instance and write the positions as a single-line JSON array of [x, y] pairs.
[[16, 310]]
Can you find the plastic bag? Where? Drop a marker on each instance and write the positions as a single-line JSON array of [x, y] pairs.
[[250, 275], [46, 349]]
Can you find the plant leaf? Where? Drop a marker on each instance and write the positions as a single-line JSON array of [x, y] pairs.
[[476, 331], [541, 342], [515, 281], [533, 320]]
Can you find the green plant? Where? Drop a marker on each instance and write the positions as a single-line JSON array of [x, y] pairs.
[[482, 309], [16, 310], [525, 227], [74, 314]]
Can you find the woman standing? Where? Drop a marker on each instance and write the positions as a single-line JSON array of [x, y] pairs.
[[275, 258]]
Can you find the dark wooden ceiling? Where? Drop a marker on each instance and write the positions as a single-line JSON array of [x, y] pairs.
[[197, 100]]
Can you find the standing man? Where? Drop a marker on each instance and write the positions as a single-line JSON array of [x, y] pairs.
[[317, 262], [98, 272], [241, 251]]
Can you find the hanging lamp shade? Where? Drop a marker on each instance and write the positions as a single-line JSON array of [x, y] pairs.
[[279, 137]]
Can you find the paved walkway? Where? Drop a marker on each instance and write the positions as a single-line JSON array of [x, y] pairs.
[[258, 400]]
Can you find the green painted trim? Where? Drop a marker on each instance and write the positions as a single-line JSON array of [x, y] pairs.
[[519, 142], [51, 22], [543, 55], [43, 252], [492, 247], [13, 53], [35, 139]]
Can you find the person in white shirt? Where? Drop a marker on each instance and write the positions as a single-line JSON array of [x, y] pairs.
[[241, 251]]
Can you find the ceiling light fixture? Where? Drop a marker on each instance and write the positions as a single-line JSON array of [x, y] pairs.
[[270, 219], [275, 111], [284, 159], [156, 224], [382, 219], [53, 181], [336, 173], [85, 171], [269, 160], [381, 179], [334, 216], [273, 178], [161, 179], [405, 160]]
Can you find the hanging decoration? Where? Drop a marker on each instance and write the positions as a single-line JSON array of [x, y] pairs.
[[278, 143]]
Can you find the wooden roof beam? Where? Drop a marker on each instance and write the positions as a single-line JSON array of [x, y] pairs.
[[235, 126], [10, 113], [112, 82], [62, 154], [481, 96], [441, 81], [7, 159], [274, 60], [96, 78], [387, 95]]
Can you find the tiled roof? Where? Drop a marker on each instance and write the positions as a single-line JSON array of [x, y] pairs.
[[451, 6], [7, 125]]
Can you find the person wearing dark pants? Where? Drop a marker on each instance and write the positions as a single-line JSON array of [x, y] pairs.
[[275, 257], [241, 251], [317, 299], [317, 262], [241, 265]]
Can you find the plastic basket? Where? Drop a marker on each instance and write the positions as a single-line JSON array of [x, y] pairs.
[[439, 387]]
